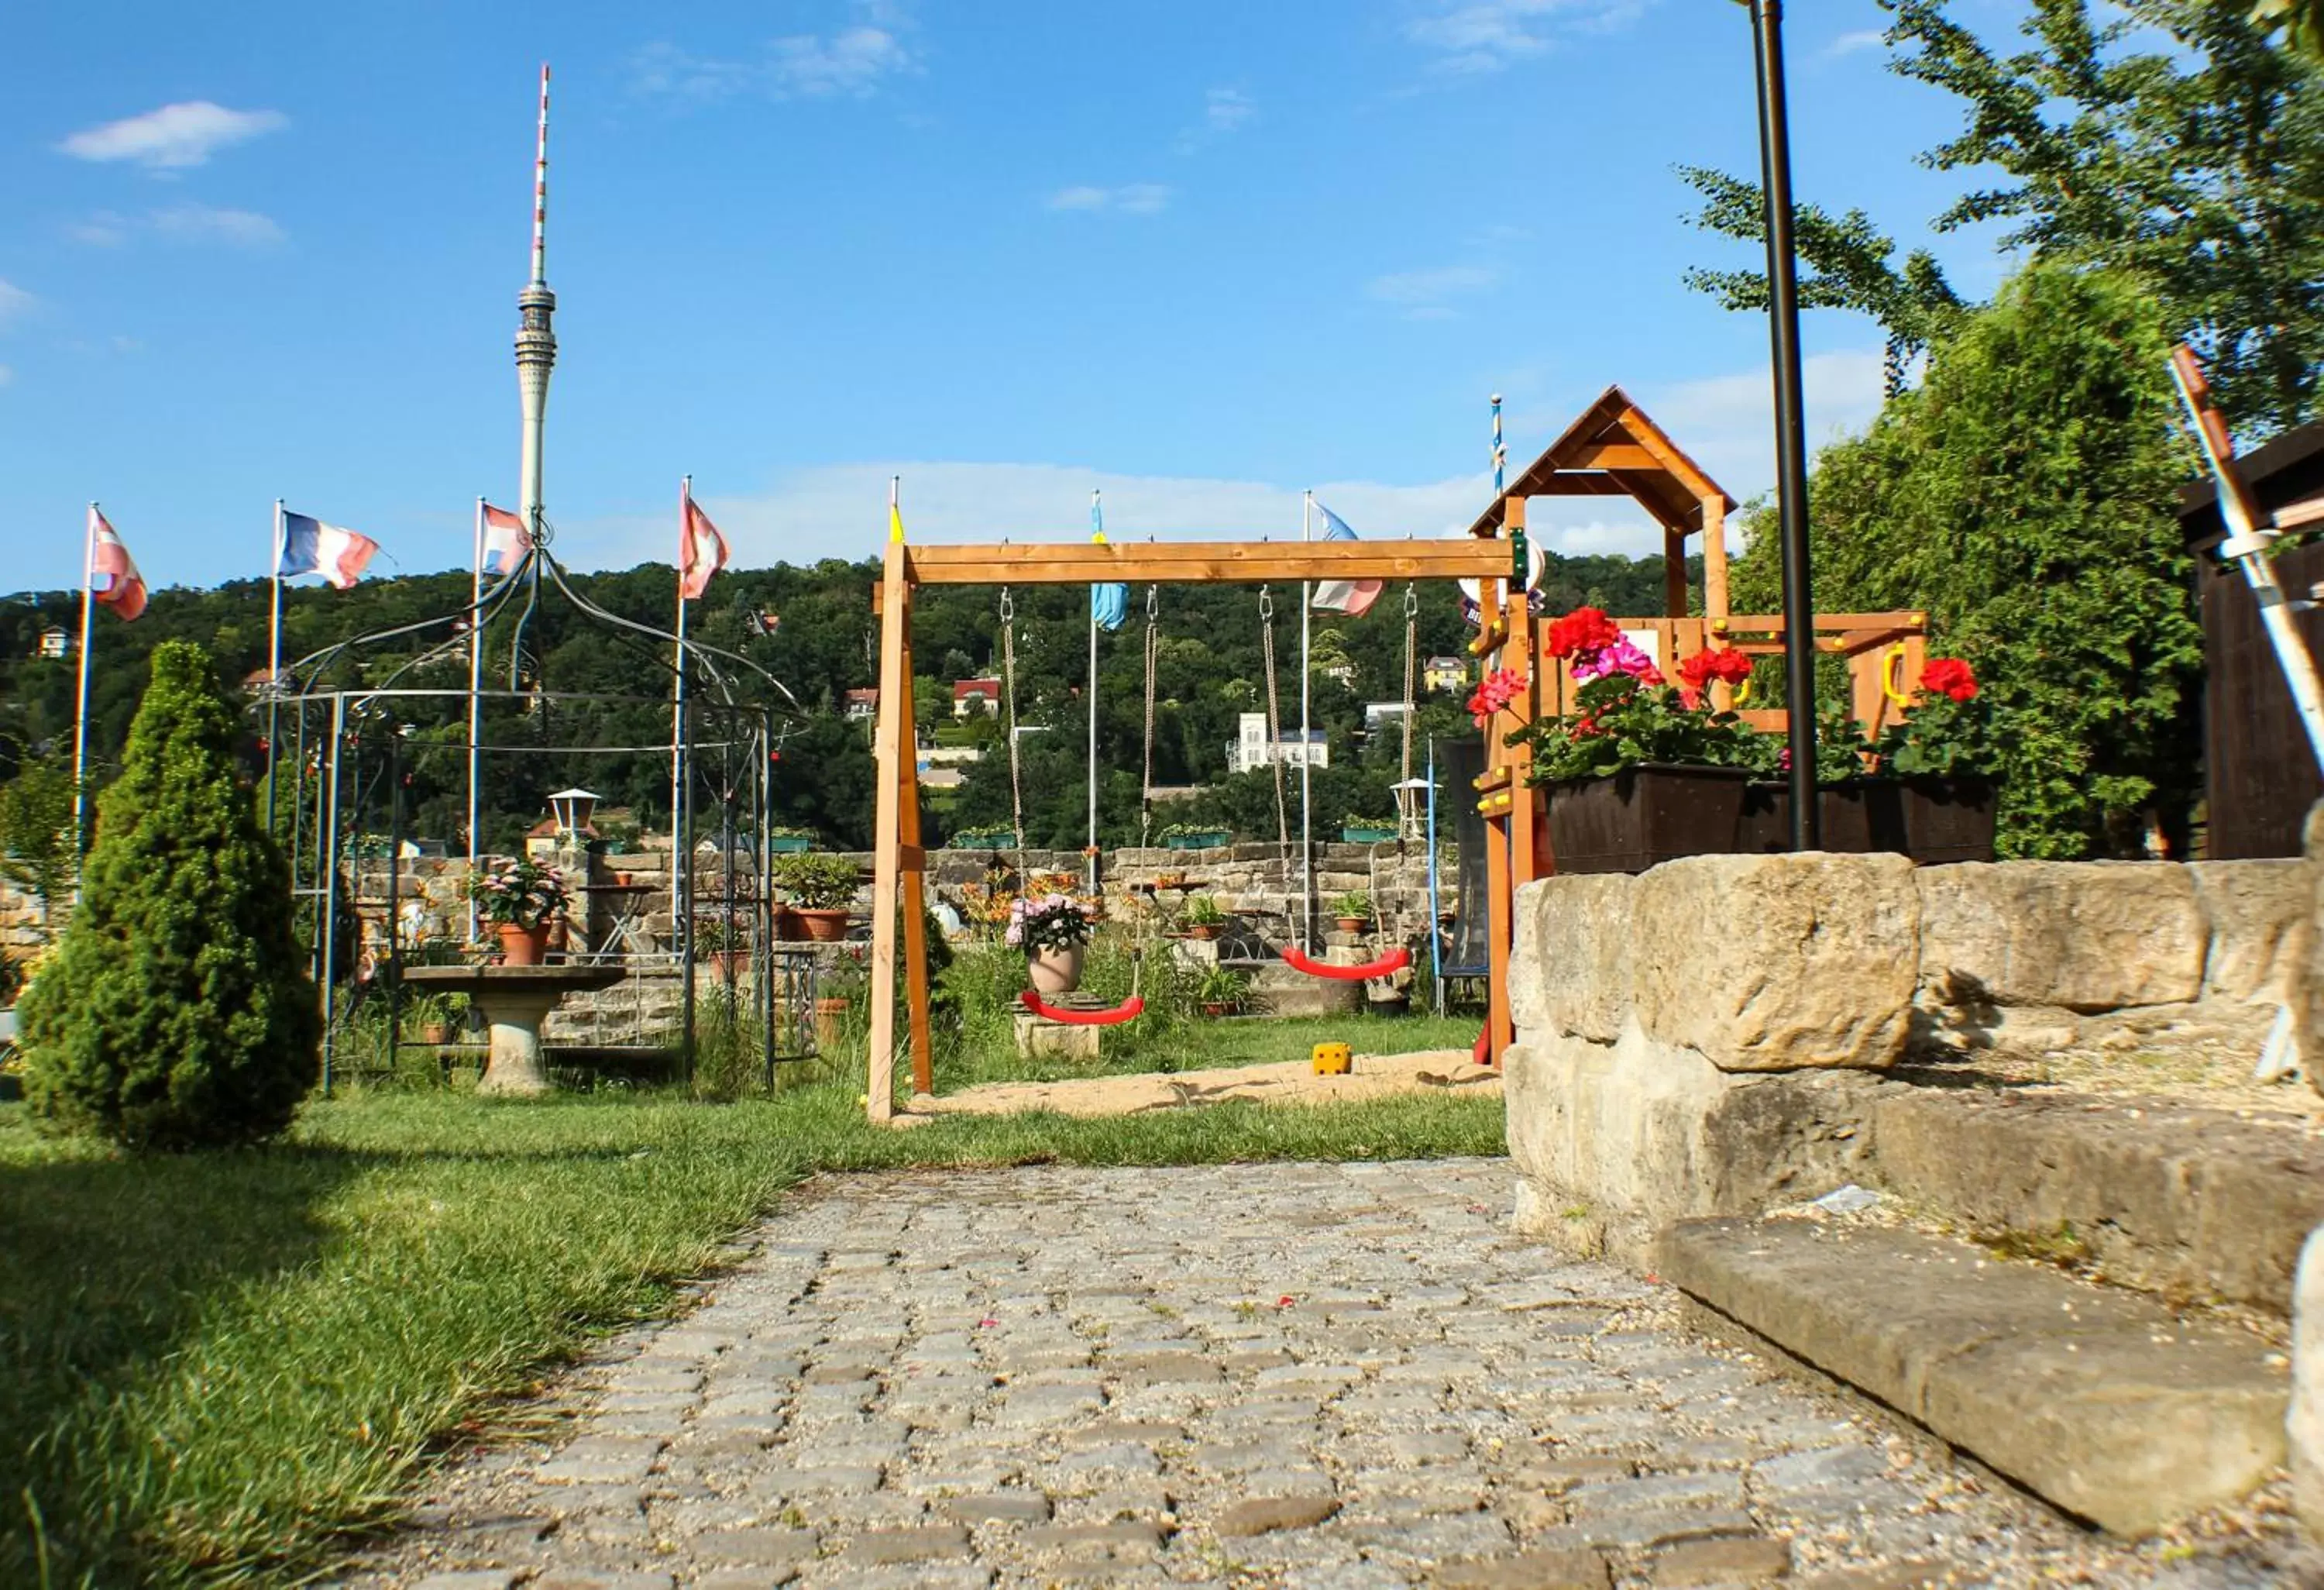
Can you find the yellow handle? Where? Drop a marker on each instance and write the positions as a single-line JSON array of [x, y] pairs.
[[1892, 671]]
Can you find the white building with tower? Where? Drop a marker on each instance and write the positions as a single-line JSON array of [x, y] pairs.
[[1249, 749]]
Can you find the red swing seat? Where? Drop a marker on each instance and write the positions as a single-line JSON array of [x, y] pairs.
[[1129, 1010], [1299, 960]]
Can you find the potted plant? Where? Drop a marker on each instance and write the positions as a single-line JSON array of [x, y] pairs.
[[987, 836], [1641, 770], [521, 900], [430, 1015], [1221, 991], [1204, 919], [820, 887], [1053, 930], [1939, 751], [786, 841], [719, 938], [1352, 912], [1368, 830], [1195, 837]]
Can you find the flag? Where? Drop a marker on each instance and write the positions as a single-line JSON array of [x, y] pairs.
[[505, 541], [895, 523], [701, 551], [1353, 597], [309, 546], [1109, 602], [123, 589]]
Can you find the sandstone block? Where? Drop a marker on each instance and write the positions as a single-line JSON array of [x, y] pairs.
[[1776, 963], [1570, 970], [2258, 915], [2304, 1424], [2086, 935]]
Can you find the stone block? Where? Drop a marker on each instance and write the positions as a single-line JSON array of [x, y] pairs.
[[1037, 1036], [2304, 1424], [1570, 970], [1774, 963], [1613, 1142], [2101, 1400], [2258, 915], [2084, 935]]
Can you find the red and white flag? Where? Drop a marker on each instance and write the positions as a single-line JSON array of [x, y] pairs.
[[113, 577], [701, 551], [505, 541]]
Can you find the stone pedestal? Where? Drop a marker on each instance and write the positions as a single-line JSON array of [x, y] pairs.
[[1039, 1038], [514, 1000]]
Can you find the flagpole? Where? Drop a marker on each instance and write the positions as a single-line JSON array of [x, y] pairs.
[[81, 710], [1089, 865], [677, 692], [275, 661], [476, 682], [1307, 744]]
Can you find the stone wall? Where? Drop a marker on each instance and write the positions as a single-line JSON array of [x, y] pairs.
[[23, 924], [1708, 1038]]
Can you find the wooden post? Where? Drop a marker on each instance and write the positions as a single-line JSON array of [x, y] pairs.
[[891, 746], [1675, 572], [913, 864], [1714, 556], [1510, 824]]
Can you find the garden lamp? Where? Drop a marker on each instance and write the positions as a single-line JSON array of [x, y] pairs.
[[573, 809]]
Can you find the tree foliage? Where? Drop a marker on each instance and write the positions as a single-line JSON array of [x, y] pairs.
[[176, 1013], [2023, 496], [36, 837], [2168, 139]]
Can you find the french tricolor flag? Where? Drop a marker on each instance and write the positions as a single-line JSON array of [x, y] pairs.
[[309, 546], [505, 541]]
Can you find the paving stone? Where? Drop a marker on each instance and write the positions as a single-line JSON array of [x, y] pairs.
[[600, 1579], [1108, 1541], [619, 1460], [1527, 1570], [1721, 1562], [878, 1547], [470, 1579], [1006, 1507], [1261, 1515], [761, 1546]]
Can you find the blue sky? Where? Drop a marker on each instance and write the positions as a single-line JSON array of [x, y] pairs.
[[1202, 256]]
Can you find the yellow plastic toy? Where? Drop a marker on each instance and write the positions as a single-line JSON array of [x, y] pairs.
[[1334, 1059]]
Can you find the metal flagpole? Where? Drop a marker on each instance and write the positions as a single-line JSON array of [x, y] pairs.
[[1307, 744], [1089, 863], [680, 908], [81, 710], [273, 660], [475, 681]]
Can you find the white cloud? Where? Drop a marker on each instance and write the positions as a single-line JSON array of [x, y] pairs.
[[173, 137], [179, 223], [1473, 36], [1727, 424], [1861, 39], [1226, 109], [1135, 198], [15, 302], [850, 61], [1428, 294]]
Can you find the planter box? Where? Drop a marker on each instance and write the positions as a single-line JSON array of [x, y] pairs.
[[790, 845], [1353, 836], [979, 842], [1643, 816], [1931, 820], [1198, 841]]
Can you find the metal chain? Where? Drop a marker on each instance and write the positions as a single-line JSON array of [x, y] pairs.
[[1274, 725], [1153, 653], [1411, 649], [1009, 694]]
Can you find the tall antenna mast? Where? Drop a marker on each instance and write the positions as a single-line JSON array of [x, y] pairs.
[[536, 344]]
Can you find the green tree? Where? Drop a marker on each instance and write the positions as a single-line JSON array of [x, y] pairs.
[[176, 1013], [2172, 141], [2023, 496], [36, 837]]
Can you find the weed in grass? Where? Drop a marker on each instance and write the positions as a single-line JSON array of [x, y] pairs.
[[2062, 1247]]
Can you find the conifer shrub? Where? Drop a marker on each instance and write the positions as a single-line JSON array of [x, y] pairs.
[[176, 1013]]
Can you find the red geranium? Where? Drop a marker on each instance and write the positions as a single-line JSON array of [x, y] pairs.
[[1950, 677], [1585, 629], [1499, 690], [1727, 667]]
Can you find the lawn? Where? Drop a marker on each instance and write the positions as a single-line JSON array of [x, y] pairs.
[[222, 1368]]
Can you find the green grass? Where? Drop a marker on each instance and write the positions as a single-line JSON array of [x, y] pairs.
[[223, 1368]]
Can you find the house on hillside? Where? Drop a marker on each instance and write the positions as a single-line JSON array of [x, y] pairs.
[[861, 705], [1449, 674], [54, 641], [975, 696], [1250, 749]]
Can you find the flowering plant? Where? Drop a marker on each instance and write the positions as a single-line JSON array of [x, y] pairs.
[[1948, 733], [1499, 689], [520, 893], [1050, 921], [1625, 712], [1706, 668]]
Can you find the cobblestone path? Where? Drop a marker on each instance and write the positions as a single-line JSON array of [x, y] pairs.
[[1297, 1375]]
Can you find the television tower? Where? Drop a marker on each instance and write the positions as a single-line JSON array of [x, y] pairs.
[[536, 344]]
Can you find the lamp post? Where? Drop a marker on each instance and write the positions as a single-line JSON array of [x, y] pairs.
[[1791, 424], [573, 809]]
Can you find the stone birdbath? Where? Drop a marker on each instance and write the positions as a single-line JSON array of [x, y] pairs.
[[515, 1001]]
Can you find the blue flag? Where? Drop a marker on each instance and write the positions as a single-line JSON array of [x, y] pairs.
[[1108, 603]]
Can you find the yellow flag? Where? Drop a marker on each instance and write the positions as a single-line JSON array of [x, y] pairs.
[[895, 524]]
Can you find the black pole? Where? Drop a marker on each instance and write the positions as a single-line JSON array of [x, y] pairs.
[[1791, 423]]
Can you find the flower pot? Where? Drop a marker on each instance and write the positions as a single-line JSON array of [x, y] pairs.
[[1204, 931], [1352, 924], [728, 964], [436, 1034], [830, 1017], [1217, 1007], [1054, 971], [1643, 816], [1197, 841], [788, 928], [827, 926], [1856, 816], [520, 946], [792, 844], [560, 934], [620, 880], [1351, 835], [1948, 820]]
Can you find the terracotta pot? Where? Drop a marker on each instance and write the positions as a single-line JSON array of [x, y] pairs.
[[727, 964], [1204, 929], [823, 927], [1211, 1007], [1056, 971], [788, 929], [560, 933], [620, 880], [830, 1015], [1352, 924], [436, 1034], [522, 947]]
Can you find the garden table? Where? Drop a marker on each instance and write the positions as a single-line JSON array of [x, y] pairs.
[[514, 1000]]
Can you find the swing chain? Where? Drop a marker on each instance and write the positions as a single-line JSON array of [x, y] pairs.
[[1009, 691], [1275, 726], [1153, 653], [1404, 801]]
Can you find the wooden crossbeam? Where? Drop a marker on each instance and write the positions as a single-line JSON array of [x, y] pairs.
[[1772, 623], [1163, 562], [1610, 456]]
